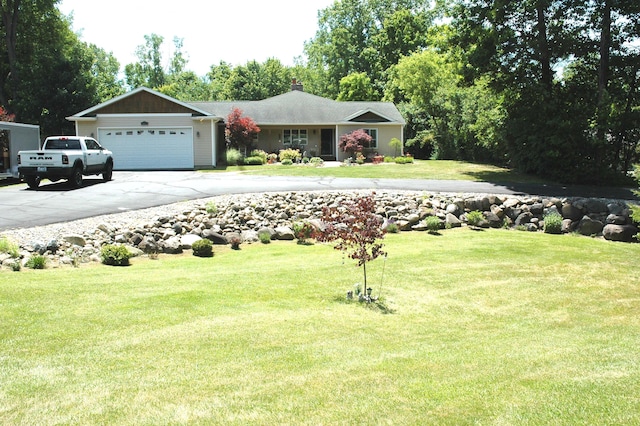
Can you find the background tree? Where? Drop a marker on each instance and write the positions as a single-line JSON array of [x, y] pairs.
[[356, 229], [148, 71], [364, 36], [356, 87], [240, 131]]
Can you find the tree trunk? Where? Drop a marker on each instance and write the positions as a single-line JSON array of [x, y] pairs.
[[10, 11], [543, 46], [605, 43]]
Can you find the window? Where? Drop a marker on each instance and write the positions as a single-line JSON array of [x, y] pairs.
[[374, 137], [295, 137]]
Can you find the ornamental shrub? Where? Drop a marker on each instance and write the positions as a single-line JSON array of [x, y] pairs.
[[433, 224], [9, 247], [316, 161], [36, 262], [115, 255], [553, 223], [286, 162], [234, 157], [265, 237], [253, 161], [303, 231], [474, 218], [202, 248], [289, 154], [260, 153]]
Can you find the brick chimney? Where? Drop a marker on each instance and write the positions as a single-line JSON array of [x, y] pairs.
[[295, 85]]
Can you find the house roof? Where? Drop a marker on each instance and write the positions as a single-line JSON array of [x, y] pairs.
[[291, 108], [301, 108], [138, 101]]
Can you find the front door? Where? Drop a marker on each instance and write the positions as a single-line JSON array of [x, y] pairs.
[[327, 144]]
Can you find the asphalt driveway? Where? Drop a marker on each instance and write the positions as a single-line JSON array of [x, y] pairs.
[[21, 207]]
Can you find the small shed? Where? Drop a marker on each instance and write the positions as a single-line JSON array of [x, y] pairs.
[[15, 137]]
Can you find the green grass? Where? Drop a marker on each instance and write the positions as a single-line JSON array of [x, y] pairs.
[[420, 169], [487, 327]]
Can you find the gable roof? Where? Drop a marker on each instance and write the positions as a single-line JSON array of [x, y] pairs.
[[141, 101], [301, 108], [291, 108]]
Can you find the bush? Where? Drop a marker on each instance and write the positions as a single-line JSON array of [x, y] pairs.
[[474, 218], [433, 224], [202, 248], [553, 223], [260, 153], [286, 162], [393, 228], [36, 262], [265, 237], [403, 160], [234, 157], [115, 255], [302, 231], [9, 247], [289, 154], [253, 161], [388, 159], [316, 161]]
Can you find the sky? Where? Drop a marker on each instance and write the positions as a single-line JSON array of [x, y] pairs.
[[212, 30]]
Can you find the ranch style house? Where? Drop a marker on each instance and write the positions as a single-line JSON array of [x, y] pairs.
[[147, 130]]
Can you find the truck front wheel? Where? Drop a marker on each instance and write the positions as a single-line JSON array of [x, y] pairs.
[[108, 171], [33, 181], [76, 178]]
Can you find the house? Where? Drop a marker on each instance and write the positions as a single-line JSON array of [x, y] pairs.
[[147, 130]]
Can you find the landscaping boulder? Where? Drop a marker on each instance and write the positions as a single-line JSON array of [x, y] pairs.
[[570, 211], [284, 233], [622, 233], [452, 221], [186, 241], [588, 226], [76, 240], [172, 246]]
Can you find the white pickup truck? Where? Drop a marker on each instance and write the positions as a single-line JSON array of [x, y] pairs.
[[65, 157]]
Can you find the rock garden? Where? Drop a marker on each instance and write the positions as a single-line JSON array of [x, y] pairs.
[[246, 219]]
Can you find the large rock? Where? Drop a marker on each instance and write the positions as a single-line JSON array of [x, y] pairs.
[[76, 240], [569, 211], [172, 246], [284, 233], [187, 240], [588, 226], [452, 221], [623, 233], [214, 237]]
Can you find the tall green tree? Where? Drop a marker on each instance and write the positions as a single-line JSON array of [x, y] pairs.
[[365, 36], [149, 70], [47, 73]]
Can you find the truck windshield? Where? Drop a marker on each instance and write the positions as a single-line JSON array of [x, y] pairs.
[[62, 144]]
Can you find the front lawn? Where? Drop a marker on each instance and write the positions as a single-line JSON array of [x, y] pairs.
[[420, 169], [486, 327]]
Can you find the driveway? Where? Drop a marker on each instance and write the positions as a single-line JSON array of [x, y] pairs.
[[21, 207]]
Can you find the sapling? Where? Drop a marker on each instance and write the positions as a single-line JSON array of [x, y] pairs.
[[356, 229]]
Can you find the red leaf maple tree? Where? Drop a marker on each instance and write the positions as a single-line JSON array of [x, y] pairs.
[[356, 229], [240, 131]]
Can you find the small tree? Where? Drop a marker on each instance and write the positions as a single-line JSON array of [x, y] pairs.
[[356, 230], [240, 131], [396, 145], [354, 142]]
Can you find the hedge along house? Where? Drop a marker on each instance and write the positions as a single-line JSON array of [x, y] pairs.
[[147, 130]]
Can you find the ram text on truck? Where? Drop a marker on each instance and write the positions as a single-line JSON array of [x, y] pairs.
[[65, 157]]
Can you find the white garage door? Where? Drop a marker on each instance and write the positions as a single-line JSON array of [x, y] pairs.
[[148, 148]]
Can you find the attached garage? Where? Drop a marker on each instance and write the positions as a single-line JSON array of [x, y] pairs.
[[150, 148]]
